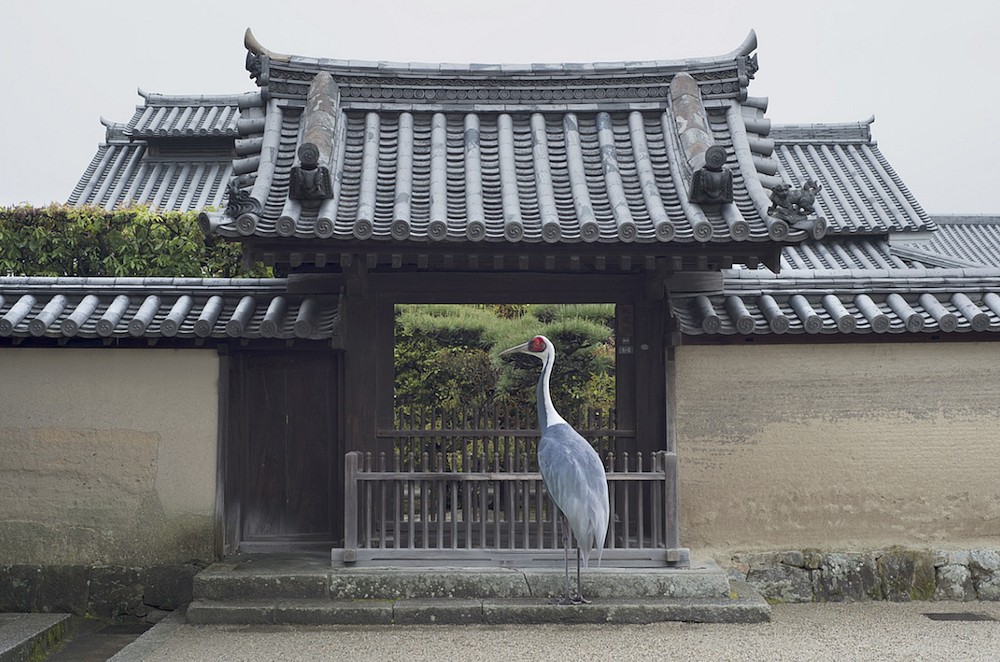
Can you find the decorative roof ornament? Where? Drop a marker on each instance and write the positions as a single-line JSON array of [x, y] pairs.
[[796, 206], [309, 180], [712, 184], [240, 201]]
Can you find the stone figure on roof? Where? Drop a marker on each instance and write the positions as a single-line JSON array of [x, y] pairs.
[[309, 180], [794, 204], [712, 184]]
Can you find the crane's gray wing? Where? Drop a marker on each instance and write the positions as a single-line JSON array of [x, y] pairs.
[[575, 478]]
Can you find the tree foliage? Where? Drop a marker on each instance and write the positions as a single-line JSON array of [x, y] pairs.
[[446, 355], [89, 241]]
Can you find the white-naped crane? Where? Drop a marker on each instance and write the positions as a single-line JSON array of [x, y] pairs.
[[571, 470]]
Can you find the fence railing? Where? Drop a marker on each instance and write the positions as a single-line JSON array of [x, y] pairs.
[[460, 505]]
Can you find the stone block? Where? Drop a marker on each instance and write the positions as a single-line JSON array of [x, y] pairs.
[[19, 587], [404, 584], [984, 562], [246, 612], [437, 612], [782, 583], [64, 588], [116, 592], [168, 586], [848, 577], [907, 575], [954, 582], [335, 612], [222, 585]]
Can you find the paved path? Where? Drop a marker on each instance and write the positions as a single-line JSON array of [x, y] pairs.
[[858, 631]]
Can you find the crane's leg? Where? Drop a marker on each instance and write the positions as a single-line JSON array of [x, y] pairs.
[[567, 599], [578, 598]]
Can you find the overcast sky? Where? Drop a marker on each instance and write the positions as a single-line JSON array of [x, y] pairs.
[[927, 70]]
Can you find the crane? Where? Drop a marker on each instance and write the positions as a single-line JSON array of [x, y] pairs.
[[571, 471]]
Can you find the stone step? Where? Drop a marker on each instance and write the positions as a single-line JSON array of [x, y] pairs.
[[272, 579], [32, 636], [742, 605]]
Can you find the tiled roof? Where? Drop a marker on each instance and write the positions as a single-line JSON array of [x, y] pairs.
[[175, 154], [845, 302], [970, 240], [861, 193], [154, 308], [507, 153], [179, 116], [842, 253]]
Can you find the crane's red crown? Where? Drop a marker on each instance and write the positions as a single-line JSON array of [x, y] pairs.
[[537, 344]]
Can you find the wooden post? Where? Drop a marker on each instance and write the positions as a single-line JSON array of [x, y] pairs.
[[351, 462]]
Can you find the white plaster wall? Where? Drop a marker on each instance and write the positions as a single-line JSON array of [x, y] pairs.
[[107, 455], [839, 447]]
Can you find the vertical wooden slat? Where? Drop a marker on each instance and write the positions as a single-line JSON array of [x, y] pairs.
[[640, 497], [366, 543], [397, 504], [381, 502], [609, 465], [439, 497]]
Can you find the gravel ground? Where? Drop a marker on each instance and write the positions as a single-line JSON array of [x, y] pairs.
[[857, 631]]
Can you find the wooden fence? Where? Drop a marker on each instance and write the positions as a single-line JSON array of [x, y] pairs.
[[460, 506]]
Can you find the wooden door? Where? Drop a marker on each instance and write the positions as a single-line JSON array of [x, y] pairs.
[[285, 449]]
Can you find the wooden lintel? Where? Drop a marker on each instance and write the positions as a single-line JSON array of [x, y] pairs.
[[315, 283]]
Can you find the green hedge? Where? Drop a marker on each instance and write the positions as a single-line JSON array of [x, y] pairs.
[[88, 241]]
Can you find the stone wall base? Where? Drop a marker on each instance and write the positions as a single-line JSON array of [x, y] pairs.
[[892, 574], [97, 591]]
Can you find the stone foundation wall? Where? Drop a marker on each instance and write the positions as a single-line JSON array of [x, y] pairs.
[[892, 574], [107, 456], [97, 591]]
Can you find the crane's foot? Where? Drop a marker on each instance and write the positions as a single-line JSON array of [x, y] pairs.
[[571, 600]]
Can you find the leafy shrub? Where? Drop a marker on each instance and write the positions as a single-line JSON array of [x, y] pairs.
[[88, 241]]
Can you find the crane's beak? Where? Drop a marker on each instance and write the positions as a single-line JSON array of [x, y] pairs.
[[513, 350]]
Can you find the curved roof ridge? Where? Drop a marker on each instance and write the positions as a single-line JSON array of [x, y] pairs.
[[242, 99], [744, 49], [823, 131]]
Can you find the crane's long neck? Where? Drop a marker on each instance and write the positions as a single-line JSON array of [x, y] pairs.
[[547, 414]]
